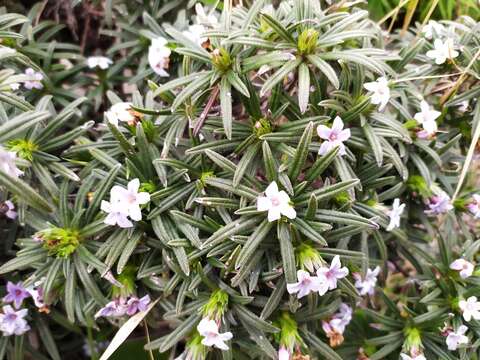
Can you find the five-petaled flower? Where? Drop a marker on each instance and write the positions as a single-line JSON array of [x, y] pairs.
[[334, 136], [464, 267], [439, 203], [328, 276], [159, 56], [433, 28], [367, 285], [395, 214], [442, 51], [194, 34], [470, 308], [305, 285], [7, 163], [426, 117], [135, 304], [115, 308], [125, 202], [211, 334], [99, 61], [16, 293], [277, 203], [8, 209], [381, 92], [456, 338], [34, 80], [13, 322], [121, 111]]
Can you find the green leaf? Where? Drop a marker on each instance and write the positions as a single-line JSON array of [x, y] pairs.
[[226, 106], [301, 153], [288, 255], [303, 87], [279, 75], [21, 123], [325, 68], [23, 191], [237, 83], [253, 242]]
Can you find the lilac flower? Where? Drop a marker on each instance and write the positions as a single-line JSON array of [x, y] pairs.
[[305, 285], [115, 308], [367, 285], [211, 334], [474, 206], [340, 320], [130, 199], [334, 136], [7, 163], [12, 322], [464, 267], [328, 276], [8, 209], [283, 353], [16, 293], [439, 204], [34, 81], [456, 338], [277, 203], [135, 304]]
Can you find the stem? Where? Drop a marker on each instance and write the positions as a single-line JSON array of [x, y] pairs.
[[426, 77], [145, 326], [392, 12], [91, 343]]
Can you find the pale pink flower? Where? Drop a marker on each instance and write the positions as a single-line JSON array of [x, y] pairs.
[[470, 308], [334, 136], [367, 285], [211, 335], [456, 338], [474, 206], [464, 267], [305, 285], [328, 276], [277, 203], [381, 92]]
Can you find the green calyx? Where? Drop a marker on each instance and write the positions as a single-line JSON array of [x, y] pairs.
[[58, 241], [307, 42], [308, 257], [262, 127], [216, 305], [221, 59], [23, 148], [288, 335]]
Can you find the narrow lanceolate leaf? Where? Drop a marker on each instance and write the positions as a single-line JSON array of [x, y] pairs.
[[374, 142], [124, 332], [166, 342], [21, 262], [288, 255], [320, 165], [24, 192], [326, 351], [325, 68], [226, 106], [301, 153], [269, 162], [246, 160], [21, 123], [278, 28], [237, 83], [233, 228], [303, 87], [309, 231], [253, 242], [252, 319], [327, 192], [279, 75]]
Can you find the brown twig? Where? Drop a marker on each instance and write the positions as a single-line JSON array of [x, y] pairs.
[[203, 115]]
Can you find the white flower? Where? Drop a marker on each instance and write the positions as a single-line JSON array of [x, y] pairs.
[[130, 198], [7, 163], [204, 18], [211, 335], [470, 308], [328, 276], [15, 86], [463, 107], [367, 285], [456, 338], [466, 268], [433, 28], [394, 214], [305, 285], [413, 357], [439, 204], [159, 56], [474, 206], [120, 111], [426, 117], [116, 214], [334, 136], [194, 34], [34, 80], [381, 92], [283, 353], [442, 51], [277, 203], [99, 61]]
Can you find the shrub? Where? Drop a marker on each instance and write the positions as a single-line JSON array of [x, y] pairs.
[[283, 181]]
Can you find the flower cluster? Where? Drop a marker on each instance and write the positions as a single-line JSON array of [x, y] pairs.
[[124, 306]]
